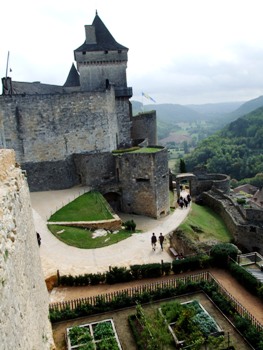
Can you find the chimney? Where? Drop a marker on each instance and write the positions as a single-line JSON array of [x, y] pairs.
[[90, 34]]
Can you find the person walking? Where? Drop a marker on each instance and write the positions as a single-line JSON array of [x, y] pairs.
[[161, 239], [38, 239], [153, 240]]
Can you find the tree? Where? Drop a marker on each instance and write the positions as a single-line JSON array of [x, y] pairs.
[[182, 166]]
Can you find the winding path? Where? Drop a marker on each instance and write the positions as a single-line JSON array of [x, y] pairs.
[[55, 255]]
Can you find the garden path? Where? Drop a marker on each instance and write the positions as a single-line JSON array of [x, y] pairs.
[[55, 255], [247, 300]]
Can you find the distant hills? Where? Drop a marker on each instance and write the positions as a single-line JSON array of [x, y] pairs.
[[223, 112], [208, 118]]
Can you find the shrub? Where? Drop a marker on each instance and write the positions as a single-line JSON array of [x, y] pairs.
[[117, 275], [130, 225], [220, 253], [136, 271], [191, 263], [151, 270], [166, 268], [244, 277]]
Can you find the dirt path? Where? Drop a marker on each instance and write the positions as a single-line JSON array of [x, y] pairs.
[[250, 302]]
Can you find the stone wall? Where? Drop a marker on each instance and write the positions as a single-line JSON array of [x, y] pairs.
[[57, 175], [49, 128], [24, 322], [218, 181], [124, 112], [95, 170], [247, 234], [144, 180], [144, 126]]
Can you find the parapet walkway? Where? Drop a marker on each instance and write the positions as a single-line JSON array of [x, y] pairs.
[[55, 255]]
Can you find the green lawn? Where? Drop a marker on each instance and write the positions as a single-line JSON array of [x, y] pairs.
[[82, 238], [203, 223], [90, 206]]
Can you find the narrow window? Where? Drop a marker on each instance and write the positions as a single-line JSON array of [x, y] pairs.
[[142, 180]]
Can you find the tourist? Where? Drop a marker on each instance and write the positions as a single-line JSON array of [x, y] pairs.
[[153, 240], [161, 239], [38, 239]]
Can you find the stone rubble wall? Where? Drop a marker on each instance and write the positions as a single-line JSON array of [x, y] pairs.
[[24, 322], [248, 234]]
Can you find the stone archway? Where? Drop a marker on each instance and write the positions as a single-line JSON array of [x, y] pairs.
[[191, 178], [114, 200]]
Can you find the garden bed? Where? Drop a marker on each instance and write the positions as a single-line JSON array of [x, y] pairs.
[[126, 338], [93, 336], [189, 321]]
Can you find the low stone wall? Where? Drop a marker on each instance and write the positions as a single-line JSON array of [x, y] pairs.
[[217, 181], [112, 225]]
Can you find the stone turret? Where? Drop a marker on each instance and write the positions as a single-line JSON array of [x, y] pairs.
[[101, 61]]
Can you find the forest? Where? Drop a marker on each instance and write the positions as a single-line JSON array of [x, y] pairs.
[[235, 150]]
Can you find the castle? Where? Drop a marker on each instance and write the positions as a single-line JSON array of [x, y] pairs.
[[65, 135]]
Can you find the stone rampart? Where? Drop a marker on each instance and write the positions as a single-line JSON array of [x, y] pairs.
[[217, 181], [24, 298], [246, 233], [144, 127], [49, 128]]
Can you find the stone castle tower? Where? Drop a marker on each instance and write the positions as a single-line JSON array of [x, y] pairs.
[[65, 135], [101, 60]]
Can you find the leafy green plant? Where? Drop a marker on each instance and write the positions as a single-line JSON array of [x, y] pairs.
[[79, 335], [220, 253], [130, 225], [103, 330], [107, 344], [118, 274]]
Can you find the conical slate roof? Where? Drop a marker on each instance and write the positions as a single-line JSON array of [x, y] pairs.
[[73, 77], [105, 40]]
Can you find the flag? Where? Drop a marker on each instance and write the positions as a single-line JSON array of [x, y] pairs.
[[147, 96]]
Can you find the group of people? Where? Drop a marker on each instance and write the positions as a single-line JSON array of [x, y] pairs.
[[184, 201], [154, 241]]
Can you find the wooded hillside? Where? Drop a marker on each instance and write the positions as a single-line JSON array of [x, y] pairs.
[[236, 150]]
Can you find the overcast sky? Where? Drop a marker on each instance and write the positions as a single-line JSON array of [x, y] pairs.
[[180, 51]]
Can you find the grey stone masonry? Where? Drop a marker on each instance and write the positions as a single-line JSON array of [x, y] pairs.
[[24, 298], [144, 179]]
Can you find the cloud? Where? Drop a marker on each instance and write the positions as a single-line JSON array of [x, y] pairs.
[[179, 51]]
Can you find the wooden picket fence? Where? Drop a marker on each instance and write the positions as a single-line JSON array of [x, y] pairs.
[[149, 287]]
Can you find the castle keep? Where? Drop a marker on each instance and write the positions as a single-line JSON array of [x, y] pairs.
[[64, 135]]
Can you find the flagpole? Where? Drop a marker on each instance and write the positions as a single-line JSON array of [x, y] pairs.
[[7, 64], [142, 104]]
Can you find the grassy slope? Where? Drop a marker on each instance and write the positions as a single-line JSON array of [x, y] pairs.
[[90, 206], [205, 220]]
